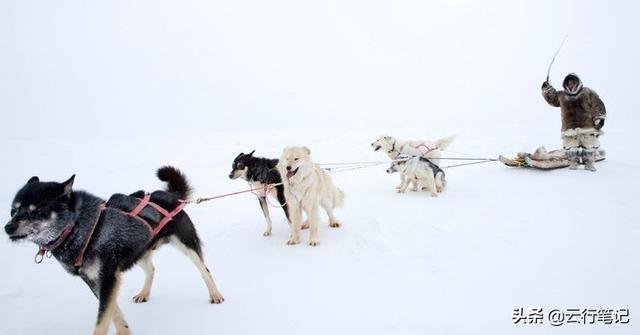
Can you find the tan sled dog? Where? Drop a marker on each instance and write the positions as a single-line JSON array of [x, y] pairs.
[[307, 187]]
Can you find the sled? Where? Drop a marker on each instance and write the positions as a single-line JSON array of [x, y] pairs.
[[542, 159]]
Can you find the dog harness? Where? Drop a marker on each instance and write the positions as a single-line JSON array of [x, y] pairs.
[[393, 148], [144, 202], [428, 149]]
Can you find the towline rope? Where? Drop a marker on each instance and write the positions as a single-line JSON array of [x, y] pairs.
[[337, 168]]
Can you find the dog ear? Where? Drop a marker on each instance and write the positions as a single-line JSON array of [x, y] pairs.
[[251, 153], [67, 185], [33, 179], [307, 150]]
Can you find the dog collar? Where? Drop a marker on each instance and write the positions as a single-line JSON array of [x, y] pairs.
[[393, 147], [47, 249]]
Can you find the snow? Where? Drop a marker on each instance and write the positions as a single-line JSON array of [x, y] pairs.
[[97, 91], [497, 239]]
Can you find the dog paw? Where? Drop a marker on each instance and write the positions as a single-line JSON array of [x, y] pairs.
[[267, 233], [216, 299], [141, 297], [124, 331], [314, 243], [293, 242], [335, 224], [400, 191], [415, 189]]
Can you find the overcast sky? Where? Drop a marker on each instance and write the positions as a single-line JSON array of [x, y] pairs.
[[113, 67]]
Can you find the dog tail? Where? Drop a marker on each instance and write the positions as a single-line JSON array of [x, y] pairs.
[[444, 143], [176, 181]]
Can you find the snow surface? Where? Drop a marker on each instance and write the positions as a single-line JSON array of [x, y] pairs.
[[112, 91]]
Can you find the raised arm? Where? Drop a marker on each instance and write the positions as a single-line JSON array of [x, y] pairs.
[[550, 94]]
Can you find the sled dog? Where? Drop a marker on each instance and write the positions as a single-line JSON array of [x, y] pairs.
[[307, 187], [421, 170], [97, 241], [259, 172], [395, 147]]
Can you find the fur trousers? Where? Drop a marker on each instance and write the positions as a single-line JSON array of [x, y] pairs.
[[587, 138], [581, 145]]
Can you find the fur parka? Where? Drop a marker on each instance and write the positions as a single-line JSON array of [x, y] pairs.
[[580, 108]]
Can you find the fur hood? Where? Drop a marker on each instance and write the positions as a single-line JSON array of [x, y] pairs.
[[572, 76]]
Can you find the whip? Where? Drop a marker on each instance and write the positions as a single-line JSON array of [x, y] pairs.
[[554, 57]]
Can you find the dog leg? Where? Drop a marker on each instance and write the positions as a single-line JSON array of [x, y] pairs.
[[440, 182], [122, 328], [405, 184], [105, 283], [333, 222], [265, 211], [109, 287], [430, 182], [214, 295], [414, 188], [403, 187], [149, 270], [402, 179], [296, 216], [283, 201], [313, 216]]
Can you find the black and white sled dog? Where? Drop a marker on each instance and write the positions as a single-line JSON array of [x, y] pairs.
[[395, 147], [97, 240], [258, 172], [421, 170]]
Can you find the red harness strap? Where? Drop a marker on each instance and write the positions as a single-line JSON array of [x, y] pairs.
[[167, 215], [141, 205], [145, 201], [428, 149], [80, 257]]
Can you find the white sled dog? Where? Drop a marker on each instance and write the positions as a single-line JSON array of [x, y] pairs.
[[421, 170], [307, 187], [395, 147]]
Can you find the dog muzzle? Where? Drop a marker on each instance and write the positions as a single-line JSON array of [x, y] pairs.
[[291, 173]]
